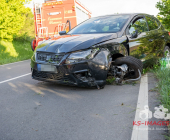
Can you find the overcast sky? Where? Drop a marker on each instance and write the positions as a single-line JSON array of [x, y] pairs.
[[105, 7]]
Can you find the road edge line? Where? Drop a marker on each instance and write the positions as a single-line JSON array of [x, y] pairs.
[[141, 132], [14, 78]]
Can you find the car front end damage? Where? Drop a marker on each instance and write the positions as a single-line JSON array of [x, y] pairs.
[[85, 68], [82, 68]]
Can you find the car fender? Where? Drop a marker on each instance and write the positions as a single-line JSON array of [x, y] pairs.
[[100, 64], [117, 47]]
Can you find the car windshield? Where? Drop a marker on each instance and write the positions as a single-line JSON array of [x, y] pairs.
[[107, 24]]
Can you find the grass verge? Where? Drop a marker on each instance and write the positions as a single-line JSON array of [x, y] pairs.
[[13, 51], [163, 76], [163, 88]]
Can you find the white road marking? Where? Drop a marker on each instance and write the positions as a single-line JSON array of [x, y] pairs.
[[15, 62], [14, 78], [141, 132]]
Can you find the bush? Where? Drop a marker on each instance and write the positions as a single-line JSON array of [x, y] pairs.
[[110, 80], [12, 17], [27, 31]]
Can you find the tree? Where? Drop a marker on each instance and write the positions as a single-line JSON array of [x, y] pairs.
[[27, 31], [164, 14], [12, 17]]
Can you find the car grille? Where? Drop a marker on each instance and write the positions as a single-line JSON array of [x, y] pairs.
[[52, 76], [46, 75], [47, 57]]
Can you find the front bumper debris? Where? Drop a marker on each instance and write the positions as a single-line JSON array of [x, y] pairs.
[[76, 74], [90, 72]]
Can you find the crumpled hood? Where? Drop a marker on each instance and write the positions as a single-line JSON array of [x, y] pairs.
[[69, 43]]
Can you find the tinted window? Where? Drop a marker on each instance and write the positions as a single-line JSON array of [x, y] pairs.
[[158, 22], [107, 24], [139, 24], [152, 23], [162, 27]]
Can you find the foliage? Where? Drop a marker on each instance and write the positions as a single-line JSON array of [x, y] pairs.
[[110, 80], [151, 64], [163, 76], [27, 31], [155, 48], [145, 70], [13, 51], [12, 17], [164, 14], [150, 52], [139, 25], [151, 45]]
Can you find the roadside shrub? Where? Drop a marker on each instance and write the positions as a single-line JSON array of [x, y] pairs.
[[27, 31], [12, 17], [150, 63], [163, 76], [110, 80]]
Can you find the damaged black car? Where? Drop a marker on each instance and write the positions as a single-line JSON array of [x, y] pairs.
[[112, 45]]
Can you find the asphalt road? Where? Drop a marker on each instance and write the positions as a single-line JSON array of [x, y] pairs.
[[35, 110]]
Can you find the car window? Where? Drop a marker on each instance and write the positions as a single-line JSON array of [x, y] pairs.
[[106, 24], [139, 24], [152, 23], [158, 22]]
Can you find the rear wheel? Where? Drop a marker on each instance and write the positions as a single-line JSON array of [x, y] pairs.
[[133, 65], [33, 44]]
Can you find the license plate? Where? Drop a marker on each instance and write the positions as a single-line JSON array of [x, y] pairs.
[[49, 68]]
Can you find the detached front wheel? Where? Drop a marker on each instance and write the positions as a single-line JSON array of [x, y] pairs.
[[134, 66]]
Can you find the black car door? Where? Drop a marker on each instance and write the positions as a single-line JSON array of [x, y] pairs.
[[136, 31]]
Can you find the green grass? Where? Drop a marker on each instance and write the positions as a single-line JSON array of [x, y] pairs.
[[110, 80], [163, 88], [13, 51], [163, 76]]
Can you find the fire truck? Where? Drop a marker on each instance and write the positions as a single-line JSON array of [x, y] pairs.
[[53, 16]]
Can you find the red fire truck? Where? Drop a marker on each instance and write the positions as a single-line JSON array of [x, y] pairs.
[[54, 16]]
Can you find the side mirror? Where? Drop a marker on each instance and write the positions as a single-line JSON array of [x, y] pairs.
[[69, 23], [62, 32], [135, 34]]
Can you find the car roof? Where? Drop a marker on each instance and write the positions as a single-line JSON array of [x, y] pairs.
[[131, 14]]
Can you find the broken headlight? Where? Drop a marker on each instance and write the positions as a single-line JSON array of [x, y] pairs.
[[80, 56]]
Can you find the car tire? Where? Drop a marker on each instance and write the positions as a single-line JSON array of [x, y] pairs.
[[132, 63], [168, 50]]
